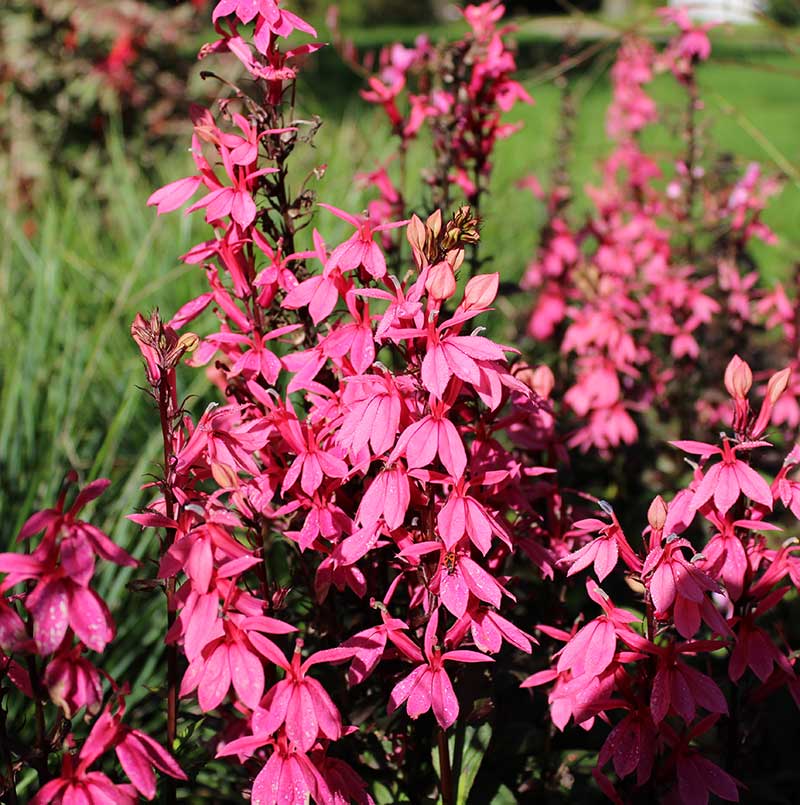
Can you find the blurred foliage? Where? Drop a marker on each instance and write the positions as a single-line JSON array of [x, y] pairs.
[[785, 12], [66, 66]]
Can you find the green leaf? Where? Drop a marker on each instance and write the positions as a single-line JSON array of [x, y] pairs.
[[467, 745]]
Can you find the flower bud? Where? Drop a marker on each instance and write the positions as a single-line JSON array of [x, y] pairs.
[[224, 475], [415, 233], [777, 384], [441, 283], [188, 342], [775, 387], [738, 378], [434, 223], [481, 291], [540, 379], [657, 513]]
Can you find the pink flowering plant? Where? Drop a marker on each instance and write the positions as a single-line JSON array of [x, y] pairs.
[[381, 540], [648, 296]]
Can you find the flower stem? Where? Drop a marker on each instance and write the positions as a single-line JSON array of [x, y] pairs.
[[42, 749], [164, 410], [445, 771], [8, 788]]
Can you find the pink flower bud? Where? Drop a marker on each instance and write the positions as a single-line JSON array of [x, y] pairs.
[[441, 283], [415, 233], [481, 291], [738, 378], [539, 379], [775, 387], [777, 384]]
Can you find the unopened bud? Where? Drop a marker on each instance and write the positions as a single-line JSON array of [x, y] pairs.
[[738, 378], [455, 257], [657, 513], [415, 233], [434, 223], [224, 475], [188, 342], [540, 378], [441, 283], [777, 384], [481, 291]]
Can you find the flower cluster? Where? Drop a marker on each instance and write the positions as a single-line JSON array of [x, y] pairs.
[[359, 437], [655, 270], [53, 625], [459, 92], [699, 618]]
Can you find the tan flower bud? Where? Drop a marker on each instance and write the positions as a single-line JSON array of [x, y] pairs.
[[657, 513], [738, 378]]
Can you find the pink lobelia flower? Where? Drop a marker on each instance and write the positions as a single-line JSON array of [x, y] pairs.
[[73, 682], [677, 584], [754, 648], [360, 249], [457, 576], [370, 645], [288, 777], [387, 497], [312, 463], [677, 687], [235, 658], [724, 554], [432, 435], [137, 753], [462, 514], [300, 702], [224, 443], [724, 482], [603, 552], [77, 784], [257, 360], [489, 629], [428, 685], [591, 650], [374, 404], [57, 602]]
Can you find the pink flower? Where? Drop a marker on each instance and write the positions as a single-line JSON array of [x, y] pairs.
[[631, 746], [300, 702], [312, 462], [236, 659], [77, 784], [590, 651], [287, 778], [387, 497], [369, 646], [374, 404], [603, 552], [462, 514], [457, 576], [57, 602], [224, 443], [137, 753], [725, 481], [360, 249], [489, 629], [677, 584], [428, 685], [433, 435], [677, 687], [73, 682]]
